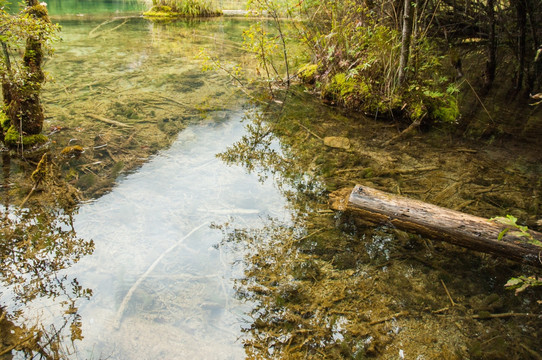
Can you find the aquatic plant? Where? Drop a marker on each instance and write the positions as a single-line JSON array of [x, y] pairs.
[[182, 8]]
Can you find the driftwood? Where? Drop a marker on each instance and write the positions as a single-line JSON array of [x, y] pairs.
[[108, 121], [434, 222]]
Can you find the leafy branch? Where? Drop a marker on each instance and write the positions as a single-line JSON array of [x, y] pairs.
[[510, 222], [523, 282]]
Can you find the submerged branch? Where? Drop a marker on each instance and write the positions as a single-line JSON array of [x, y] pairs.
[[134, 287], [108, 121]]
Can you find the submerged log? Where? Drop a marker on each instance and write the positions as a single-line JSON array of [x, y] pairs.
[[434, 222]]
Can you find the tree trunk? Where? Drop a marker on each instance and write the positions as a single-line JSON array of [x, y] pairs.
[[521, 10], [405, 41], [22, 101], [491, 64], [534, 77], [434, 222]]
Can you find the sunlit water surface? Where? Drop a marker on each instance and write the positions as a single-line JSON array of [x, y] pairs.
[[184, 307], [162, 288]]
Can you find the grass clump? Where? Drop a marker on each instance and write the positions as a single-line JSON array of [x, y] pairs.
[[182, 8], [13, 139]]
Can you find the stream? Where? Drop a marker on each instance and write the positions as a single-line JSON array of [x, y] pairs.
[[162, 286], [209, 218], [184, 307]]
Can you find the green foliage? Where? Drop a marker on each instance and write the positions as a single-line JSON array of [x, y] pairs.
[[182, 8], [31, 23], [4, 122], [522, 283], [307, 73], [268, 45], [519, 230], [21, 71], [358, 53]]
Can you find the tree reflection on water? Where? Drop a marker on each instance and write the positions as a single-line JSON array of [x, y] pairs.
[[36, 245]]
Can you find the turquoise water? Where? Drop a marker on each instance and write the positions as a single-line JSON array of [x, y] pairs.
[[89, 7], [60, 7]]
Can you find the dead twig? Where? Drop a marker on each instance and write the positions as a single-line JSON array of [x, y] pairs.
[[410, 129], [38, 176], [92, 33], [138, 282], [503, 315], [108, 121], [309, 131], [479, 100], [9, 348], [394, 316], [350, 170], [531, 352], [408, 171], [447, 293]]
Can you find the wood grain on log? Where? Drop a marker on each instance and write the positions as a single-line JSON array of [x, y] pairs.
[[434, 222]]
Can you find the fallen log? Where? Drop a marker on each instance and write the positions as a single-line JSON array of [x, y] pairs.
[[434, 222]]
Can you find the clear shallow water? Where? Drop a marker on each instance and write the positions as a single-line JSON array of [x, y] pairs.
[[162, 288], [60, 7], [184, 307]]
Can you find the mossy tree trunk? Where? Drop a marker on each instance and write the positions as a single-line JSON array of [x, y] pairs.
[[22, 98], [405, 41]]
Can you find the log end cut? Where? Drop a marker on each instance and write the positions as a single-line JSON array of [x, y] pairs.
[[338, 199]]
